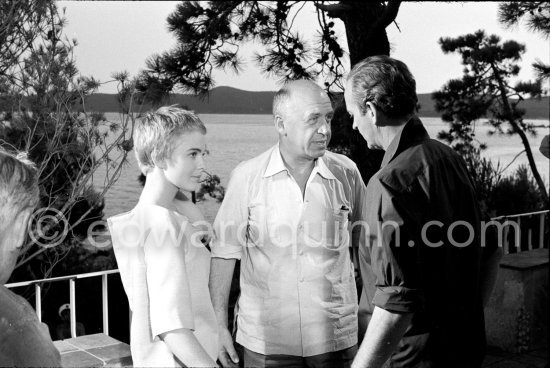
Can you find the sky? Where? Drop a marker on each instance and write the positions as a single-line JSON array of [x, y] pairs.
[[116, 36]]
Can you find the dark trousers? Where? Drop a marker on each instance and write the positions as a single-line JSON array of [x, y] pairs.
[[336, 359]]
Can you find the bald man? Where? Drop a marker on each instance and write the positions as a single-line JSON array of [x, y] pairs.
[[287, 216]]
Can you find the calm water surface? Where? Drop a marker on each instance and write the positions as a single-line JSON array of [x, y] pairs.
[[234, 138]]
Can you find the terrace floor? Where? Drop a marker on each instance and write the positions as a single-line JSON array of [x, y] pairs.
[[100, 350], [497, 358]]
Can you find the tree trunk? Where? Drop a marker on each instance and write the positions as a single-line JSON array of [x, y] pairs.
[[521, 133], [365, 24]]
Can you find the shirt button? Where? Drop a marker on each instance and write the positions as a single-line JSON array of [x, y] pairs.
[[302, 279], [301, 252], [300, 227]]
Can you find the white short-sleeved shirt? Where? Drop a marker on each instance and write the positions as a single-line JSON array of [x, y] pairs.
[[298, 293], [164, 270]]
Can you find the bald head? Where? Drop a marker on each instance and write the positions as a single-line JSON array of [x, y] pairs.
[[302, 113], [292, 91]]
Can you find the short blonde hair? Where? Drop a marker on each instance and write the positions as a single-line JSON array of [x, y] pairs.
[[18, 185], [154, 134]]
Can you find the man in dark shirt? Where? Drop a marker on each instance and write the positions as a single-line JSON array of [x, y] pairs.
[[423, 263]]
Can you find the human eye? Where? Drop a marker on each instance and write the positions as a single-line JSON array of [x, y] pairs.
[[313, 118]]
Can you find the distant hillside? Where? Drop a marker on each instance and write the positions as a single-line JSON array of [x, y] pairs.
[[534, 109], [222, 100], [227, 100]]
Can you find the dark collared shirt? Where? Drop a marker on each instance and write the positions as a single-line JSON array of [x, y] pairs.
[[423, 251]]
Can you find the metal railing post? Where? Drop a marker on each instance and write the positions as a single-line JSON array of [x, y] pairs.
[[105, 303], [72, 295], [505, 247], [541, 231], [38, 300], [72, 301]]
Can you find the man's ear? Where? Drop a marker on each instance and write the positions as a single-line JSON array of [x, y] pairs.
[[17, 231], [280, 125], [372, 111]]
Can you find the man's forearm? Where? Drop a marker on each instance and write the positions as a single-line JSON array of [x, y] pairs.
[[221, 275], [384, 332]]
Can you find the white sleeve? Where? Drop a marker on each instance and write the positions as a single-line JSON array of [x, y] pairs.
[[170, 305]]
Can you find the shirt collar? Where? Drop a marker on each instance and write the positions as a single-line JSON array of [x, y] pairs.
[[276, 165], [323, 169], [413, 133]]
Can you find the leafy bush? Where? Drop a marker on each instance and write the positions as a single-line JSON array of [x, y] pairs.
[[516, 193], [500, 195]]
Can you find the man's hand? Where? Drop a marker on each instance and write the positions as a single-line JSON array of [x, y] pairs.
[[227, 355]]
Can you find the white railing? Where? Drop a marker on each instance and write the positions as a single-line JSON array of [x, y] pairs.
[[531, 231], [542, 232], [72, 295]]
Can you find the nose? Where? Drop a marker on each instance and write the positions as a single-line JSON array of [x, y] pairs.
[[324, 128], [201, 165], [354, 125]]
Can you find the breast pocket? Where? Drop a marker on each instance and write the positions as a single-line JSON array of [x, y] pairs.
[[327, 227], [339, 220]]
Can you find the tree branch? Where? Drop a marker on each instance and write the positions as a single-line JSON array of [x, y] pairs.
[[390, 13], [335, 10]]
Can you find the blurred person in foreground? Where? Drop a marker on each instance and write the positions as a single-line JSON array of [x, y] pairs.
[[163, 263], [286, 215], [544, 147], [24, 340], [432, 274]]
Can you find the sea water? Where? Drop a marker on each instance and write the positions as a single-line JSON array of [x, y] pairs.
[[235, 138]]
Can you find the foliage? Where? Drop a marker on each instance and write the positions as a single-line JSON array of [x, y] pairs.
[[486, 177], [536, 15], [22, 23], [43, 111], [212, 187], [485, 91], [501, 195], [211, 35], [517, 193]]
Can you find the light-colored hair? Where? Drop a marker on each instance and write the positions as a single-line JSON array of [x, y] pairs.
[[386, 82], [284, 95], [18, 186], [156, 132], [280, 100]]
